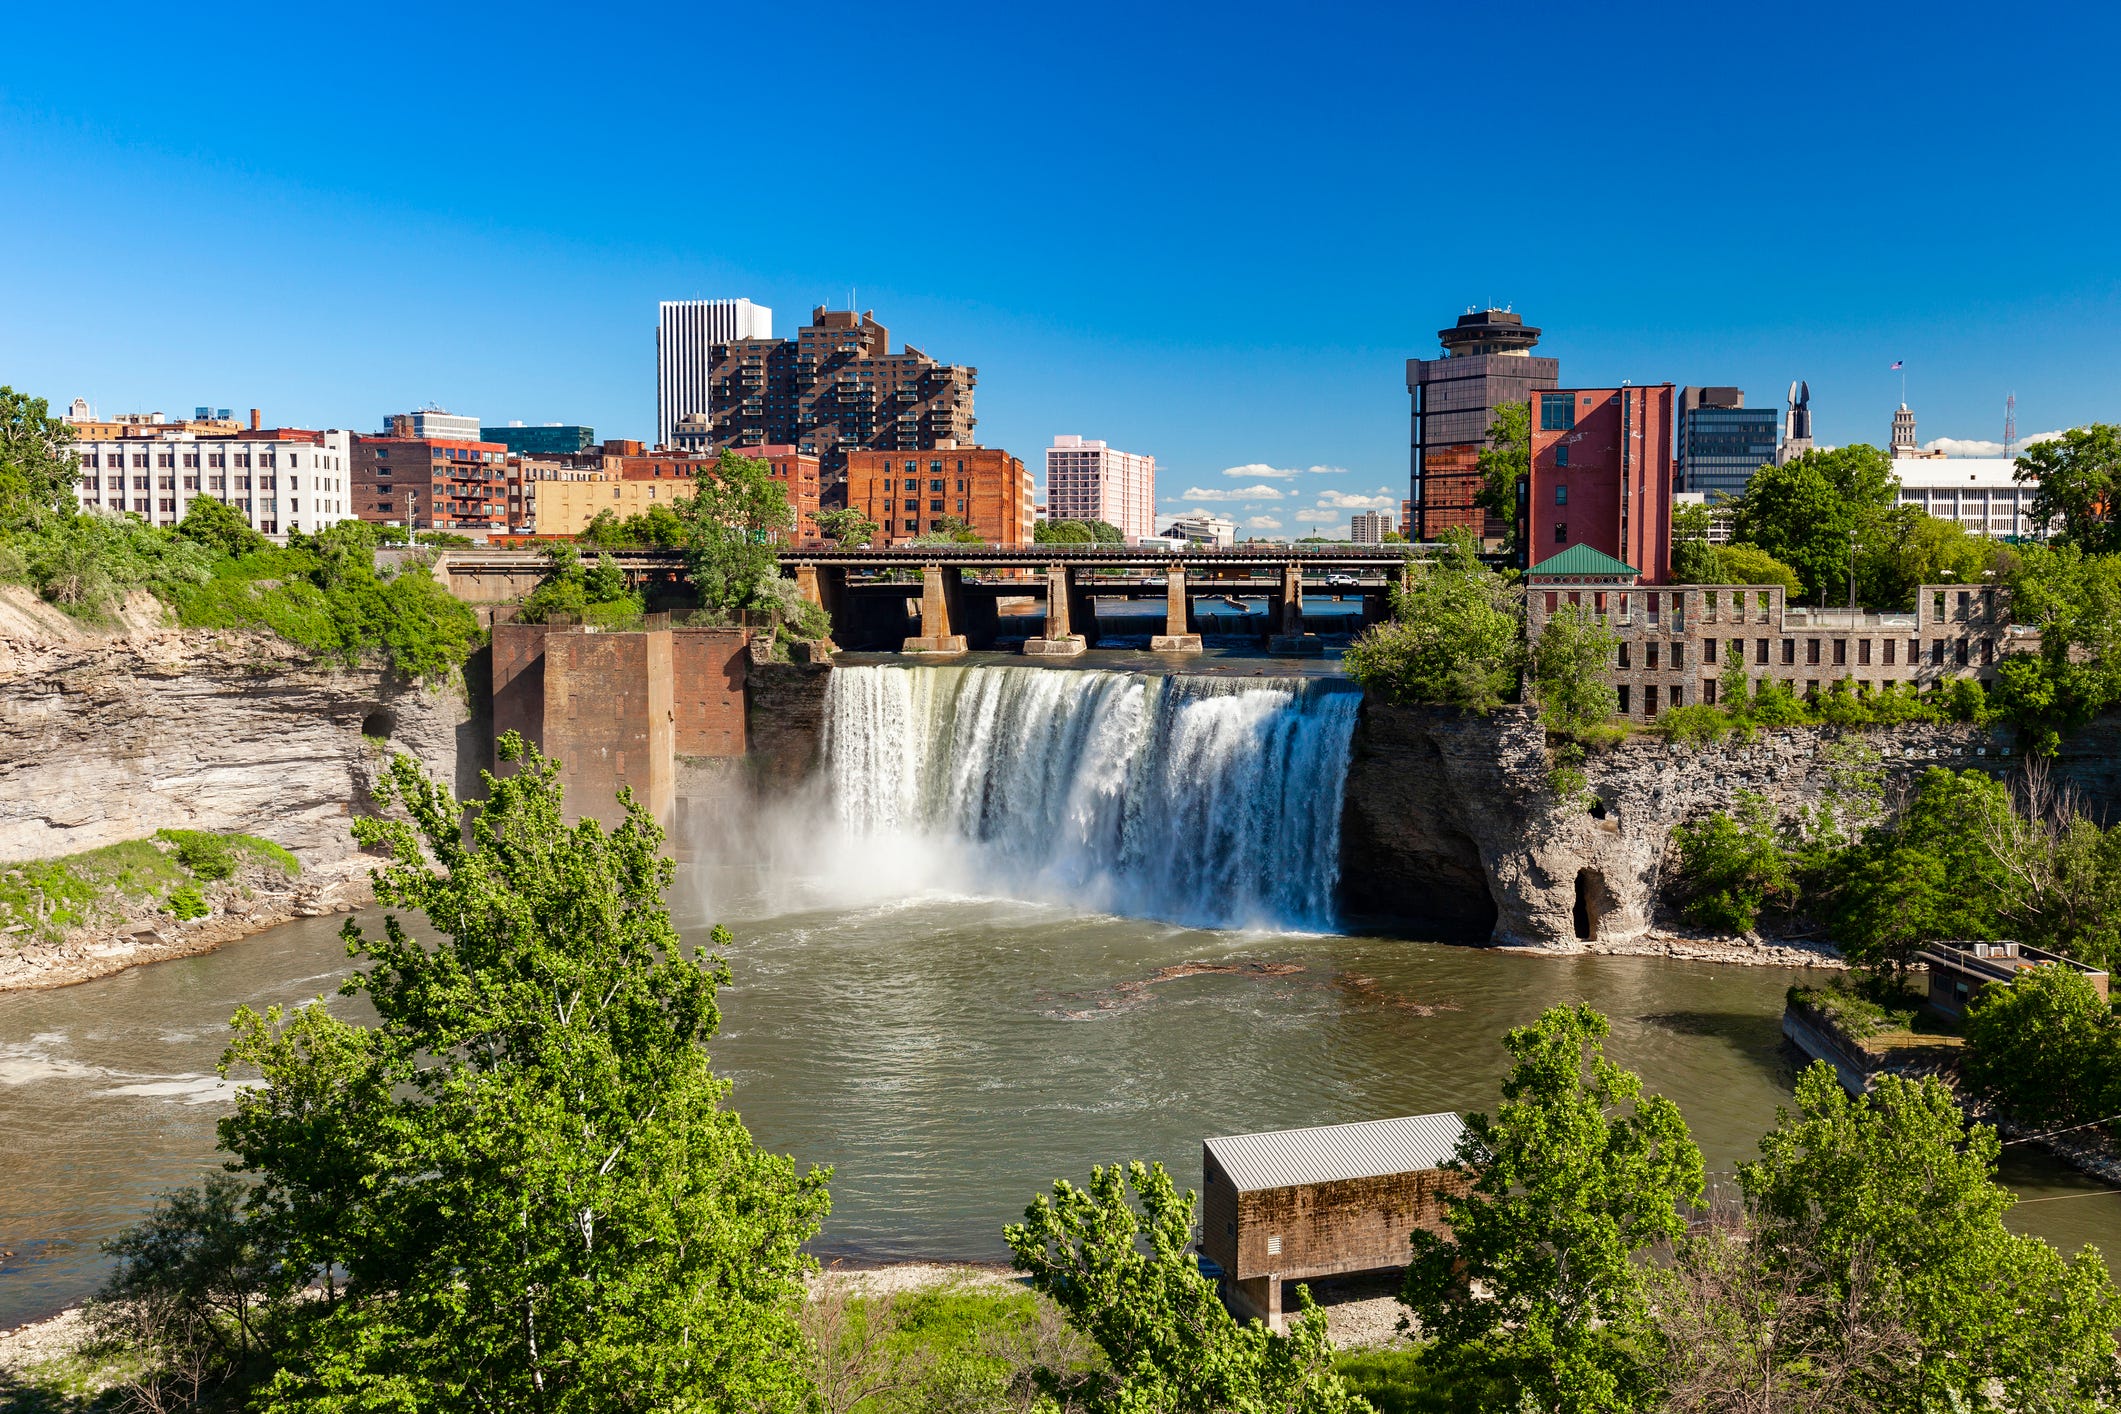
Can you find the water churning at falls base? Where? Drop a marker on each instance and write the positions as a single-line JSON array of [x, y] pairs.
[[1210, 802]]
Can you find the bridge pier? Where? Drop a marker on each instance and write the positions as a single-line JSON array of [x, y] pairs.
[[1292, 641], [1178, 635], [942, 607], [826, 587], [1061, 640]]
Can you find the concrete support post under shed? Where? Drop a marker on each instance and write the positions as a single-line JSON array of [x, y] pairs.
[[1060, 641], [1260, 1299], [941, 609], [1178, 635]]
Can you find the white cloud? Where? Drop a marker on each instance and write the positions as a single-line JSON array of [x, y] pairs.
[[1261, 492], [1977, 447], [1321, 518], [1344, 501], [1262, 523], [1255, 471]]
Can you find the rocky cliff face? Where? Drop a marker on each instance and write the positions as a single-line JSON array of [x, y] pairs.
[[111, 736], [1451, 825]]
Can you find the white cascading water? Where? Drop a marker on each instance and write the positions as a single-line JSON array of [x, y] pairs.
[[1211, 802]]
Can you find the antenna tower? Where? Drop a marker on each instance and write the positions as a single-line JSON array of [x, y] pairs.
[[2010, 424]]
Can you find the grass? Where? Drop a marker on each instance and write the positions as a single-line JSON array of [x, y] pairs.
[[42, 898]]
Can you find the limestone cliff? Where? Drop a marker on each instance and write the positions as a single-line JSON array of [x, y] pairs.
[[1451, 825], [109, 736]]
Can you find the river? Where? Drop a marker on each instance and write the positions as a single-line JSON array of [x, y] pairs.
[[950, 1022]]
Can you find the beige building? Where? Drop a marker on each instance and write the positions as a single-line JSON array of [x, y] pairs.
[[567, 507]]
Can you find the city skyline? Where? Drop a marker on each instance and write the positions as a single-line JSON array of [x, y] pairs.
[[1241, 345]]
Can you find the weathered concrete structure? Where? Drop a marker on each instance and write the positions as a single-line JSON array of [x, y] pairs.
[[1295, 1204], [1959, 974]]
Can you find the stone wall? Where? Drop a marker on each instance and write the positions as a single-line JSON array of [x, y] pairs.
[[609, 720], [787, 721], [110, 736], [1451, 826]]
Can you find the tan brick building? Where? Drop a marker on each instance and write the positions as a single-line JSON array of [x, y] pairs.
[[630, 485], [909, 494]]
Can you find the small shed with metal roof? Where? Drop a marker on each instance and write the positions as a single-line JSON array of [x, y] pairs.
[[1295, 1204]]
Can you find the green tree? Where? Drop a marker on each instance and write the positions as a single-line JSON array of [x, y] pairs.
[[1572, 1183], [1804, 512], [1503, 462], [1894, 1194], [1169, 1344], [524, 1169], [736, 513], [1909, 549], [1103, 532], [2047, 1047], [1730, 866], [1571, 663], [951, 530], [1453, 639], [1061, 532], [1694, 559], [1749, 564], [847, 527], [220, 526], [1928, 875], [37, 469], [2074, 479], [2074, 599]]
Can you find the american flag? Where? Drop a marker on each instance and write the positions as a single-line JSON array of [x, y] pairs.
[[1896, 366]]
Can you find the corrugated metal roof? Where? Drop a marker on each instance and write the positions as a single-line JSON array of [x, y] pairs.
[[1582, 560], [1283, 1158]]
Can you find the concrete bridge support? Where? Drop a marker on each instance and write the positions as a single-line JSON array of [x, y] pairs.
[[1179, 635], [1292, 641], [826, 587], [1082, 604], [942, 609], [1061, 640]]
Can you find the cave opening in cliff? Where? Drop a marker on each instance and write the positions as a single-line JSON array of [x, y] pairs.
[[1592, 903], [379, 724]]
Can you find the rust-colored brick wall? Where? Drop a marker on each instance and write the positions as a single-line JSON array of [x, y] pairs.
[[1354, 1225], [518, 684], [609, 719], [708, 668], [909, 493]]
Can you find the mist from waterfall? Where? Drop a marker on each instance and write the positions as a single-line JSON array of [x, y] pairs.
[[1205, 801]]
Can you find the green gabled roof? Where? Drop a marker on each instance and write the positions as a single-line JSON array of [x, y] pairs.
[[1583, 562]]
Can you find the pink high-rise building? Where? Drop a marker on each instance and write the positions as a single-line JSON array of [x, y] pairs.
[[1091, 481]]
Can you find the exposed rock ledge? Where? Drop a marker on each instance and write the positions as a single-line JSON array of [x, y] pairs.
[[110, 736]]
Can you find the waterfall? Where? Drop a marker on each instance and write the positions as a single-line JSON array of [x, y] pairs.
[[1211, 802]]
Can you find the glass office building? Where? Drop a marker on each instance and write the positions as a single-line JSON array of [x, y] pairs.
[[1721, 447], [553, 440]]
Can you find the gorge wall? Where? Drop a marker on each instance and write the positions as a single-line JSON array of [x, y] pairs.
[[1452, 825], [111, 735]]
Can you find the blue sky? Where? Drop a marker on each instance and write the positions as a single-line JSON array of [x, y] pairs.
[[1209, 232]]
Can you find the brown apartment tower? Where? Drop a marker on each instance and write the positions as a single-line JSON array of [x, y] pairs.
[[1487, 362], [836, 388]]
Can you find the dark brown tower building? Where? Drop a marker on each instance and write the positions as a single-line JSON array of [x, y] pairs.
[[1487, 362], [835, 388]]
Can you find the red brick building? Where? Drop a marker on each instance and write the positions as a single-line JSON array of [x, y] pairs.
[[909, 494], [1602, 476], [797, 473], [431, 483]]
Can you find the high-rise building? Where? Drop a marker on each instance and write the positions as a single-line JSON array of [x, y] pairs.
[[837, 388], [553, 439], [1487, 362], [279, 478], [686, 331], [909, 496], [1369, 527], [1088, 480], [1722, 442], [1796, 425], [1602, 476]]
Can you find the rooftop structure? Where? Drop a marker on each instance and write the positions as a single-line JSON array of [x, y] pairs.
[[1796, 425], [1200, 529], [551, 439], [1087, 480], [1959, 974], [432, 422]]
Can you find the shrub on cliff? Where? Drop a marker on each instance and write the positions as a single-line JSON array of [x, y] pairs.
[[1730, 866], [572, 592], [1927, 874], [1452, 639]]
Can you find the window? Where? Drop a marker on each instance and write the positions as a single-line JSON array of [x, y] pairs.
[[1811, 650], [1557, 412], [1623, 699], [1561, 455], [1708, 649], [936, 485], [1649, 700], [1890, 645], [935, 507], [1708, 692], [1561, 495], [1936, 652], [1863, 653], [1761, 656], [1561, 532], [1789, 651], [1678, 695], [1623, 653], [1553, 600], [1678, 662], [1649, 656], [913, 525], [1959, 653]]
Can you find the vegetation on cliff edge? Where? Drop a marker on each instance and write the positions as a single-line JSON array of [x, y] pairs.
[[41, 898]]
